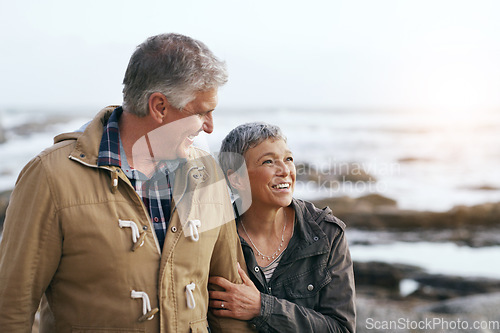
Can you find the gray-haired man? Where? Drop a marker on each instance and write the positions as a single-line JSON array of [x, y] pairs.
[[117, 227]]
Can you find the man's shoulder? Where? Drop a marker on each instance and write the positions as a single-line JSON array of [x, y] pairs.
[[63, 145], [52, 160], [197, 152], [202, 156]]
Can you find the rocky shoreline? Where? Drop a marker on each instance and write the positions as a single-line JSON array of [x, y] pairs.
[[434, 302], [464, 225]]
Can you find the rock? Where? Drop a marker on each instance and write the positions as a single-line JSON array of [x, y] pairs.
[[364, 204], [485, 304], [484, 214], [464, 285], [379, 315], [438, 299], [483, 188], [384, 279], [40, 124], [442, 287], [376, 212], [413, 160], [382, 274], [2, 134], [377, 200]]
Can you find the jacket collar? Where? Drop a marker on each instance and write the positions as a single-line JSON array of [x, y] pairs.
[[189, 175], [86, 150], [308, 238]]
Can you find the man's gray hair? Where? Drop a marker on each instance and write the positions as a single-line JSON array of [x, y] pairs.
[[241, 139], [172, 64]]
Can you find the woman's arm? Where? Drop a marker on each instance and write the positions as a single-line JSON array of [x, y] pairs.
[[335, 313], [241, 301]]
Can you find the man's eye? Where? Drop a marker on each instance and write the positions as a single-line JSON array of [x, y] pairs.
[[290, 159], [267, 162], [204, 114]]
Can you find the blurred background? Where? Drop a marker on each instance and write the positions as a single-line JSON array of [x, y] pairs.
[[392, 110]]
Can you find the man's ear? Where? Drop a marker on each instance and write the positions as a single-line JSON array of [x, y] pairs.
[[158, 106]]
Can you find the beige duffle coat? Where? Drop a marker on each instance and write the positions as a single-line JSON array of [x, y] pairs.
[[79, 237]]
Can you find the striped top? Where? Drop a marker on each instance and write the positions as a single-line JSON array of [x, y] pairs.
[[269, 269]]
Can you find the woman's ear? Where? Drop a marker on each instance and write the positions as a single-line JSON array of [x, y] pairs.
[[235, 179]]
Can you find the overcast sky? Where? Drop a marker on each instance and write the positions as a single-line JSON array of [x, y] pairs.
[[354, 53]]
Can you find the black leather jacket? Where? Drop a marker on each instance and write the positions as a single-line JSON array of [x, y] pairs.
[[312, 289]]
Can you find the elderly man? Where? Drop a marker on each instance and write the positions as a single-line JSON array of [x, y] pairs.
[[117, 227]]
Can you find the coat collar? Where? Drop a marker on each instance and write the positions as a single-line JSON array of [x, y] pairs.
[[308, 239], [86, 150]]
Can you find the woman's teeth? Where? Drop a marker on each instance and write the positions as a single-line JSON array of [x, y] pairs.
[[281, 186]]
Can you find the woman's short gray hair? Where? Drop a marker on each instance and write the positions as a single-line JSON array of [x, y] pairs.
[[176, 66], [241, 139]]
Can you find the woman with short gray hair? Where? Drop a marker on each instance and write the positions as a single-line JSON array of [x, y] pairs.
[[300, 276]]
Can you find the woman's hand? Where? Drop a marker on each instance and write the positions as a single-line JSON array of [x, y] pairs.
[[240, 301]]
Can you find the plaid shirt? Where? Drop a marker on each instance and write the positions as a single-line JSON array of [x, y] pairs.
[[155, 191]]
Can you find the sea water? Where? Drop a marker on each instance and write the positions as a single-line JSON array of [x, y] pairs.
[[436, 258], [424, 160]]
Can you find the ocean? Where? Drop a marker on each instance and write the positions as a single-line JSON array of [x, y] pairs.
[[425, 160]]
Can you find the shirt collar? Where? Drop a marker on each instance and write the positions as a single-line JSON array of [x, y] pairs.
[[111, 151]]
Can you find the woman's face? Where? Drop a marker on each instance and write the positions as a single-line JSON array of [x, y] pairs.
[[271, 173]]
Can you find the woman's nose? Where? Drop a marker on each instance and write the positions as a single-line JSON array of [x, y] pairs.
[[283, 169]]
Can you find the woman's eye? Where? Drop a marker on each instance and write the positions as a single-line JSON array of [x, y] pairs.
[[290, 159], [267, 162]]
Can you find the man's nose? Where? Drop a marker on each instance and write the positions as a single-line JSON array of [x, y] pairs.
[[208, 124]]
